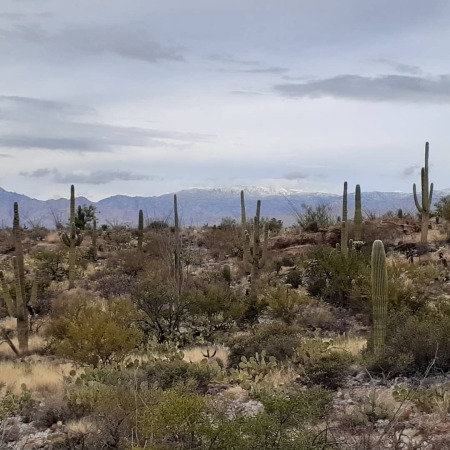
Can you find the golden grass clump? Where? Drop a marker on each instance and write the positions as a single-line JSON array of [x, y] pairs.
[[39, 375], [197, 354]]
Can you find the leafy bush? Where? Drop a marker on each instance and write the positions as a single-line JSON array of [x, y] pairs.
[[414, 344], [336, 278], [276, 340], [322, 366], [93, 332], [284, 303]]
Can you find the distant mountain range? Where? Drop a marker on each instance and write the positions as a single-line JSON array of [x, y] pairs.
[[199, 206]]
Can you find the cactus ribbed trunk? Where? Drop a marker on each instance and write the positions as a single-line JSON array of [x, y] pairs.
[[245, 241], [94, 240], [424, 207], [344, 203], [344, 239], [22, 311], [177, 266], [379, 296], [358, 214], [18, 248], [72, 239], [140, 233], [10, 306], [258, 255]]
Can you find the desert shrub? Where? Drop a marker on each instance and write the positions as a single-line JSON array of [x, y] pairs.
[[93, 332], [294, 278], [335, 278], [276, 339], [163, 308], [320, 365], [114, 285], [127, 262], [53, 265], [415, 343], [12, 404], [213, 307], [313, 218], [284, 303], [167, 374], [285, 423]]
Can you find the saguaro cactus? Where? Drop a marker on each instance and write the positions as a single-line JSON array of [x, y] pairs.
[[244, 232], [94, 240], [344, 203], [72, 239], [427, 195], [344, 229], [140, 231], [257, 256], [178, 269], [357, 223], [379, 296], [344, 239]]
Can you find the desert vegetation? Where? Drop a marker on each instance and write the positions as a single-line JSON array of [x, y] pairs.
[[329, 335]]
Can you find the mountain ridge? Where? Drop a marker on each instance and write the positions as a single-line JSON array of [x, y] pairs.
[[199, 206]]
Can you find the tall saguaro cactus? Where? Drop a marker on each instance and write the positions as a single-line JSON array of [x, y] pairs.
[[72, 239], [178, 269], [427, 195], [140, 231], [344, 228], [344, 203], [357, 223], [244, 232], [379, 296], [257, 255]]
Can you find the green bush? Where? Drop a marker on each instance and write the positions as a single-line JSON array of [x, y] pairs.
[[276, 339], [415, 344], [166, 374], [338, 279], [93, 332]]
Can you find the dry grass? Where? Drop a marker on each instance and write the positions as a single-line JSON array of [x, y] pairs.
[[351, 344], [35, 344], [197, 354], [82, 426], [41, 376]]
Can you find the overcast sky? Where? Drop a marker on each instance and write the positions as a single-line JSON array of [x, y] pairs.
[[145, 97]]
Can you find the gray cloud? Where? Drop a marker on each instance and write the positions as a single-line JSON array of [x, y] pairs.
[[273, 69], [410, 170], [295, 176], [96, 177], [228, 59], [130, 43], [245, 93], [42, 124], [400, 67], [394, 88]]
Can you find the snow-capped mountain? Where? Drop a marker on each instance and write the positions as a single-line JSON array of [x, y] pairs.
[[199, 206]]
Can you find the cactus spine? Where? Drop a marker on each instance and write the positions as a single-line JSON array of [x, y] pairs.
[[358, 214], [244, 232], [140, 232], [72, 239], [427, 195], [257, 255], [379, 296]]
